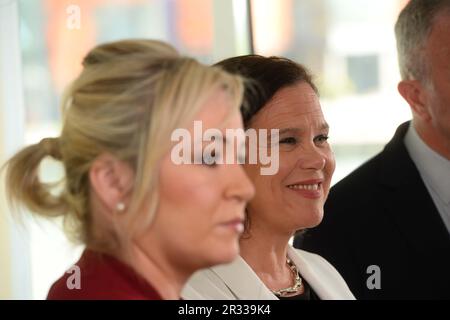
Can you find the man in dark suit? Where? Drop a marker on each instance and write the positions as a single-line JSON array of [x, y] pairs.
[[386, 225]]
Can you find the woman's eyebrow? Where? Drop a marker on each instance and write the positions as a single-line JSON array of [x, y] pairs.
[[322, 126]]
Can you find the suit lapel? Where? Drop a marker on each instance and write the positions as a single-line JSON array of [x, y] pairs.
[[243, 281], [322, 289]]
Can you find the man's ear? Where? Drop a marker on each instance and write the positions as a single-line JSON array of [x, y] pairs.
[[415, 94], [111, 180]]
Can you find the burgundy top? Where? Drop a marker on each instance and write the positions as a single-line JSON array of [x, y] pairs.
[[102, 277]]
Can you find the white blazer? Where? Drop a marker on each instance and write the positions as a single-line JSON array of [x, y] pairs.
[[237, 281]]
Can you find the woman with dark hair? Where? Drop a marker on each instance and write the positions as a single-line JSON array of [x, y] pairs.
[[290, 200]]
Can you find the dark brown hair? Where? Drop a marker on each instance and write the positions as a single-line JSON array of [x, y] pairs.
[[266, 76]]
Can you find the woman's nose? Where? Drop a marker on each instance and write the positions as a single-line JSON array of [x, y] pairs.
[[312, 158], [241, 187]]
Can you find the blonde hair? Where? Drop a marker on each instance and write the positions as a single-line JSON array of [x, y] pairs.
[[128, 99]]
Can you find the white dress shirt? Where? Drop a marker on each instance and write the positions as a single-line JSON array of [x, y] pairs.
[[434, 170]]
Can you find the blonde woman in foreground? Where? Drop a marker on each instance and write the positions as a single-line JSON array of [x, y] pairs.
[[147, 223]]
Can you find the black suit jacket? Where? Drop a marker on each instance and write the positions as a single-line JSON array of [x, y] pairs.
[[382, 214]]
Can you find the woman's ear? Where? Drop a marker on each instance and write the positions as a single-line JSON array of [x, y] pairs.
[[416, 95], [111, 180]]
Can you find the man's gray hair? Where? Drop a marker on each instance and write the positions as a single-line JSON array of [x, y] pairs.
[[411, 31]]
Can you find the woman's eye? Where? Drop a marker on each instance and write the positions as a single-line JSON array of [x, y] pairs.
[[321, 139], [288, 140]]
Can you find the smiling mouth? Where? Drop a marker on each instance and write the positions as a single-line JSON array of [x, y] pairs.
[[310, 187]]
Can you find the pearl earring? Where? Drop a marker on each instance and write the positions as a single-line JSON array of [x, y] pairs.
[[120, 207]]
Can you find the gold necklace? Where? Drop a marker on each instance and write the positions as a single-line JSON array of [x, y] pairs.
[[297, 282]]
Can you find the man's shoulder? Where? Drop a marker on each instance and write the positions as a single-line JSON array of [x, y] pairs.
[[361, 181], [393, 160]]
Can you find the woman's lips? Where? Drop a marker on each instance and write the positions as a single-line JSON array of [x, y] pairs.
[[308, 189], [236, 225]]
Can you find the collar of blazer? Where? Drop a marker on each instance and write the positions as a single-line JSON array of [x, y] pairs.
[[407, 200], [310, 270], [243, 282]]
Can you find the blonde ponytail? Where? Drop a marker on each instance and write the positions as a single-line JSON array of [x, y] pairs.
[[24, 186]]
